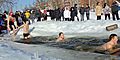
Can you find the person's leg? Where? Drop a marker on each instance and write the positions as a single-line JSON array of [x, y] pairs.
[[117, 15], [109, 16], [100, 17], [68, 19], [87, 15], [77, 18], [105, 16], [113, 16], [72, 18], [65, 19], [81, 17], [97, 18]]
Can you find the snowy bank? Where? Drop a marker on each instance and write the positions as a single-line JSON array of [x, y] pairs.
[[86, 28]]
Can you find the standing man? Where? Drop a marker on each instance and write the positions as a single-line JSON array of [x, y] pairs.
[[82, 12]]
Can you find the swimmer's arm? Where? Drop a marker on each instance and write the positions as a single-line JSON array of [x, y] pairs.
[[21, 26]]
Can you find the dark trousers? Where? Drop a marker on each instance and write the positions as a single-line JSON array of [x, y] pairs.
[[87, 15], [107, 15], [39, 19], [72, 18], [98, 17], [77, 17], [115, 14], [67, 19]]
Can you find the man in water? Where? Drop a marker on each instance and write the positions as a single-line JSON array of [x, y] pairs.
[[60, 37], [110, 46]]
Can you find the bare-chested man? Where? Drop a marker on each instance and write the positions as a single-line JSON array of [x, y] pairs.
[[110, 46], [26, 33], [60, 37]]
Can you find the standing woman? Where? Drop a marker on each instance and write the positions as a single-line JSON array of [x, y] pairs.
[[98, 11], [106, 10]]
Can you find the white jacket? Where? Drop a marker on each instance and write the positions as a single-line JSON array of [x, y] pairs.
[[107, 10], [66, 14]]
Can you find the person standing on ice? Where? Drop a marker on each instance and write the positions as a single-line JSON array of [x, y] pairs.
[[82, 12], [115, 10], [67, 14], [98, 11], [106, 10], [87, 10], [72, 14], [75, 11]]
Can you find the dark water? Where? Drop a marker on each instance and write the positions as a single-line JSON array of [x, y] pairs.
[[86, 44]]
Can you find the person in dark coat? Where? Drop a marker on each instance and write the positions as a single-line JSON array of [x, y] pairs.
[[87, 10], [82, 12], [72, 14], [115, 9], [58, 14], [76, 11], [38, 14]]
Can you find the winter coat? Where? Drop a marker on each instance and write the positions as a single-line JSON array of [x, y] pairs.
[[87, 10], [27, 14], [75, 11], [107, 10], [67, 14], [98, 10], [58, 13], [82, 10], [114, 8]]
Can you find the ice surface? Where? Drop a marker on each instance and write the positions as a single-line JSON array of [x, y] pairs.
[[8, 52]]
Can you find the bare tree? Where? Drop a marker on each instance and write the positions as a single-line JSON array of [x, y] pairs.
[[7, 4]]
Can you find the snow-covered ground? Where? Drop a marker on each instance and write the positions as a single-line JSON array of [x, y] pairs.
[[14, 51]]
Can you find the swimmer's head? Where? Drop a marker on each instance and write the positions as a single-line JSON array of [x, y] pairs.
[[113, 37]]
